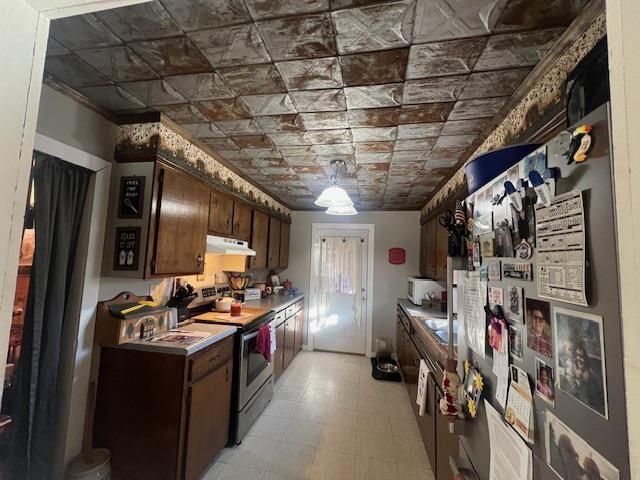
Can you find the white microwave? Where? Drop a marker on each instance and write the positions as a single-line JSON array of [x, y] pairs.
[[418, 288]]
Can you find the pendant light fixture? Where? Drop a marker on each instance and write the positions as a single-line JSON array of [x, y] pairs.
[[335, 198]]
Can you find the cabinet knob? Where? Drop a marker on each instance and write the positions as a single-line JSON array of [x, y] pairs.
[[200, 260]]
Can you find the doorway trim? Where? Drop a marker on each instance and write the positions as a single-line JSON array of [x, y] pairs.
[[370, 228]]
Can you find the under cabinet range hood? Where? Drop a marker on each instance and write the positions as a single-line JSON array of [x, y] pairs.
[[228, 246]]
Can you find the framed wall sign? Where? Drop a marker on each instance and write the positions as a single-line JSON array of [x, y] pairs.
[[397, 256], [131, 198], [127, 248]]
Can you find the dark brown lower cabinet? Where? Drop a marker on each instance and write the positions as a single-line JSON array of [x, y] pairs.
[[163, 416], [278, 355], [208, 415], [299, 333], [427, 422], [289, 340], [448, 444]]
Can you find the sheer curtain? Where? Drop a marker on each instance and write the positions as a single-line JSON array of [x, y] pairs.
[[340, 273]]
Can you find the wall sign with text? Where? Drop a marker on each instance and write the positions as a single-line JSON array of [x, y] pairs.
[[127, 248], [131, 198]]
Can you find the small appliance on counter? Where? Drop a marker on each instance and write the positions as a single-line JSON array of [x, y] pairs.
[[419, 288]]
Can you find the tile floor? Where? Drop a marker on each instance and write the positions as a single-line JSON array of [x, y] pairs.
[[330, 420]]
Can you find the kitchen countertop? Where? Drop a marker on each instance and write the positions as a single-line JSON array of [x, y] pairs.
[[205, 335], [248, 315], [274, 303]]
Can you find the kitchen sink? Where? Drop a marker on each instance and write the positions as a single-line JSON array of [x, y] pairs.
[[440, 328]]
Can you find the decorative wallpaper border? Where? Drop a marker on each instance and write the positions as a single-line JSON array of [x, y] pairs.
[[178, 149], [546, 91]]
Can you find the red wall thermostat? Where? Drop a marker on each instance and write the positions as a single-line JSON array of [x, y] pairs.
[[397, 256]]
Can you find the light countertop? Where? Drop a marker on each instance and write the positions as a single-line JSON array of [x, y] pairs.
[[274, 303], [187, 340]]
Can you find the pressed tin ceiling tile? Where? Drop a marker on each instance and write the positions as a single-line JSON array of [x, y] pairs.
[[444, 58], [374, 117], [319, 100], [280, 123], [374, 134], [293, 38], [289, 138], [249, 141], [140, 22], [419, 144], [231, 46], [201, 86], [493, 84], [434, 90], [459, 127], [220, 143], [199, 14], [297, 151], [184, 113], [366, 158], [270, 162], [82, 31], [374, 27], [263, 152], [419, 130], [374, 147], [120, 64], [269, 104], [335, 149], [452, 141], [374, 68], [324, 120], [112, 97], [302, 162], [55, 48], [308, 170], [261, 9], [254, 79], [449, 19], [234, 155], [203, 130], [425, 113], [319, 137], [445, 157], [224, 109], [527, 15], [374, 96], [483, 107], [74, 71], [245, 126], [516, 49], [366, 168], [153, 92], [172, 56], [410, 156], [318, 73]]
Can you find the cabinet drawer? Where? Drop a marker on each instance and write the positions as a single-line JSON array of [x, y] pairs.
[[291, 309], [280, 317], [205, 362], [299, 305]]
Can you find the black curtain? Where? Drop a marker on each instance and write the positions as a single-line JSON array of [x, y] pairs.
[[60, 190]]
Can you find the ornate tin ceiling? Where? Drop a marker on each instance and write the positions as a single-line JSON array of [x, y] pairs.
[[398, 89]]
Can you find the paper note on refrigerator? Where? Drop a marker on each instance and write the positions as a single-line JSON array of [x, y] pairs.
[[510, 457]]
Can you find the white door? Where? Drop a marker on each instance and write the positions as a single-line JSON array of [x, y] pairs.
[[339, 308]]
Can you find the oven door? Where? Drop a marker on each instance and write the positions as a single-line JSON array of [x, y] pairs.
[[254, 369]]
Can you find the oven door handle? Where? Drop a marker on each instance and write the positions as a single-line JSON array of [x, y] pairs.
[[250, 336]]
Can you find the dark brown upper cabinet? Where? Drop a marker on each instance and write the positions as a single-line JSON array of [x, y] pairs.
[[273, 257], [259, 239], [241, 221], [285, 231], [181, 213], [220, 214]]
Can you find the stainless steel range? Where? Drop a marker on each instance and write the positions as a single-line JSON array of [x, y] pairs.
[[253, 377]]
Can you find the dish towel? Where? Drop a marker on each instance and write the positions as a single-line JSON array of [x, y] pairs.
[[272, 331], [263, 342], [421, 396]]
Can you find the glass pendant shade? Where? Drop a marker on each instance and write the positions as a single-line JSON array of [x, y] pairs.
[[348, 210], [333, 196]]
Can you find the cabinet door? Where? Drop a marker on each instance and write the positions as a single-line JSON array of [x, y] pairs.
[[289, 340], [430, 248], [209, 410], [278, 355], [273, 259], [299, 334], [181, 228], [285, 231], [448, 444], [259, 239], [220, 214], [442, 250], [241, 221], [427, 422], [423, 250]]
